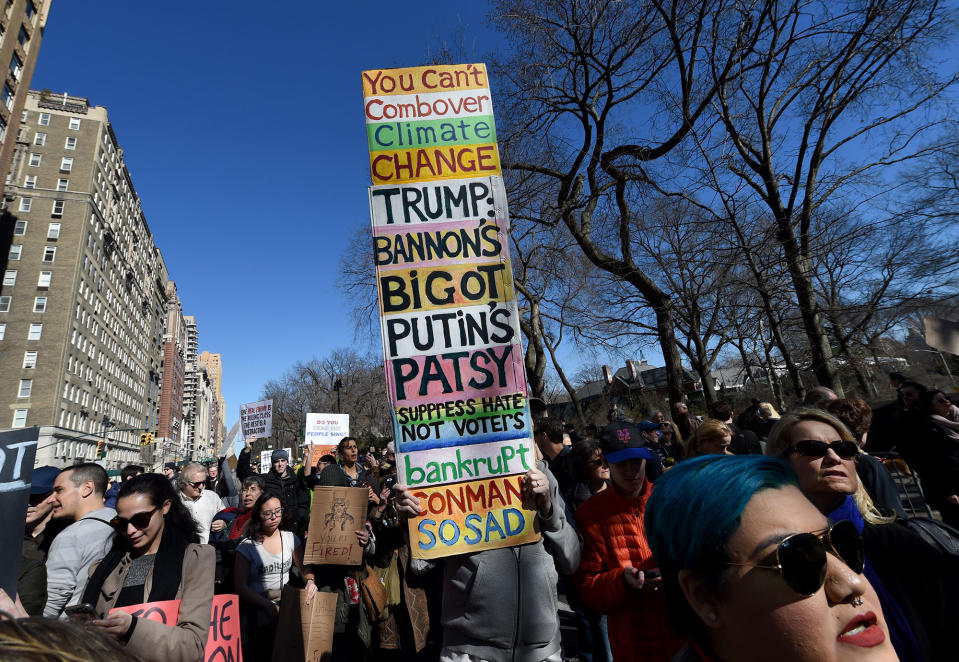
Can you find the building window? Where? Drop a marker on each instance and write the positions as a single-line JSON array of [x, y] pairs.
[[44, 119], [3, 128], [71, 143], [53, 232], [36, 330], [26, 385], [7, 96], [66, 165], [57, 208], [20, 415], [35, 160], [49, 253], [16, 250], [74, 123], [16, 66], [40, 304], [3, 331], [23, 37], [45, 278], [25, 205], [63, 184], [30, 10], [40, 139], [29, 360], [10, 277], [30, 181], [20, 228]]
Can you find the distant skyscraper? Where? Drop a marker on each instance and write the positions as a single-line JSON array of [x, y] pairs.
[[214, 367], [21, 30], [173, 372], [84, 290]]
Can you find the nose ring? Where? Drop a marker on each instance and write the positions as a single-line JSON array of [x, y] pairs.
[[857, 601]]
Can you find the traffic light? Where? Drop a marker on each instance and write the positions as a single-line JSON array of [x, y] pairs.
[[101, 451], [146, 439]]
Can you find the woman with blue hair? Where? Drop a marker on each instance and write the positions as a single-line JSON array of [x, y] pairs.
[[753, 571]]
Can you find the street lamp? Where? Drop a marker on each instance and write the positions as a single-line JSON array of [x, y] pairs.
[[337, 385]]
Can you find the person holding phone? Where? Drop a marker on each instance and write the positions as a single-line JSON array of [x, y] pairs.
[[156, 557]]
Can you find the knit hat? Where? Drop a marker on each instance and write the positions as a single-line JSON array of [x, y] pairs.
[[279, 454]]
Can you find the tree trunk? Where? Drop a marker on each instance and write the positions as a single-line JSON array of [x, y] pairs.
[[535, 356]]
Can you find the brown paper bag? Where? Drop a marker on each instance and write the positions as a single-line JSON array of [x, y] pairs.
[[304, 632], [337, 513]]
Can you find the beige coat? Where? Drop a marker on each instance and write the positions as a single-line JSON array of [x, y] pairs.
[[154, 641]]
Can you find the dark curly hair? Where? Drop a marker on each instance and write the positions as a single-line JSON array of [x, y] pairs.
[[854, 413], [255, 530], [158, 488]]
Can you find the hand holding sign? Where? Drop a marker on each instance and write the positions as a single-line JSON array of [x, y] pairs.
[[405, 503], [536, 490]]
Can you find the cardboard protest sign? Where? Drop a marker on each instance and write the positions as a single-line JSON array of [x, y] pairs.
[[452, 348], [304, 631], [266, 463], [165, 612], [223, 643], [316, 452], [257, 418], [18, 448], [469, 517], [337, 513]]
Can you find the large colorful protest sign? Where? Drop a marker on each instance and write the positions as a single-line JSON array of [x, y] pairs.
[[257, 418], [451, 338]]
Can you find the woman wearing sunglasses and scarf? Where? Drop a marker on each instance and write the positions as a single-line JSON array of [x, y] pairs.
[[156, 557], [916, 584], [753, 572]]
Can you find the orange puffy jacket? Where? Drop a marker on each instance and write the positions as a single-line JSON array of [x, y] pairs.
[[614, 537]]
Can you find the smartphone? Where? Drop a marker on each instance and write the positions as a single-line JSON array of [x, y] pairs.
[[80, 613], [651, 574]]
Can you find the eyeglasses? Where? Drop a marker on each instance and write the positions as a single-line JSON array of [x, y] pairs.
[[847, 450], [598, 462], [272, 514], [139, 521], [801, 557], [195, 484]]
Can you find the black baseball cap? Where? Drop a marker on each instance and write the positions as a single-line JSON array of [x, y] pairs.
[[621, 441]]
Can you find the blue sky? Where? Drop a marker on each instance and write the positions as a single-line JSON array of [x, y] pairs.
[[242, 127]]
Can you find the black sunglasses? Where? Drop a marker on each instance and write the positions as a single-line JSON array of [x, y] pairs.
[[195, 484], [139, 521], [814, 448], [801, 557]]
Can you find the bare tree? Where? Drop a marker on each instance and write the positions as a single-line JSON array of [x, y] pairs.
[[578, 79]]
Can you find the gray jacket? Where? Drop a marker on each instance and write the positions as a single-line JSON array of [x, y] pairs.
[[500, 605], [72, 553]]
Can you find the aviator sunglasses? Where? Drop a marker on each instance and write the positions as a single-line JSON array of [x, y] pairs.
[[847, 450], [801, 557], [139, 521]]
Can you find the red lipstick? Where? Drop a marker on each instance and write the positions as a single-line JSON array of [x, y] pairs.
[[862, 631]]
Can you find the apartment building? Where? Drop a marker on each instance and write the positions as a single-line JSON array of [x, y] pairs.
[[21, 29], [84, 294]]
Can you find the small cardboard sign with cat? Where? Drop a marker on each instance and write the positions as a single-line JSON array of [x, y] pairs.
[[337, 513]]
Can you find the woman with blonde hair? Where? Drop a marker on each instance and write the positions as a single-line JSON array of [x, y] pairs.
[[767, 419], [712, 438], [909, 575]]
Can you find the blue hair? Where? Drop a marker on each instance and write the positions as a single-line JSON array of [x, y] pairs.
[[696, 505], [693, 511]]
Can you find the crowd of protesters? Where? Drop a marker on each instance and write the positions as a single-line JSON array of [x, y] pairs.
[[752, 535]]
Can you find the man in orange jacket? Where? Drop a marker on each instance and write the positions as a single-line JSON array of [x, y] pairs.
[[617, 575]]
